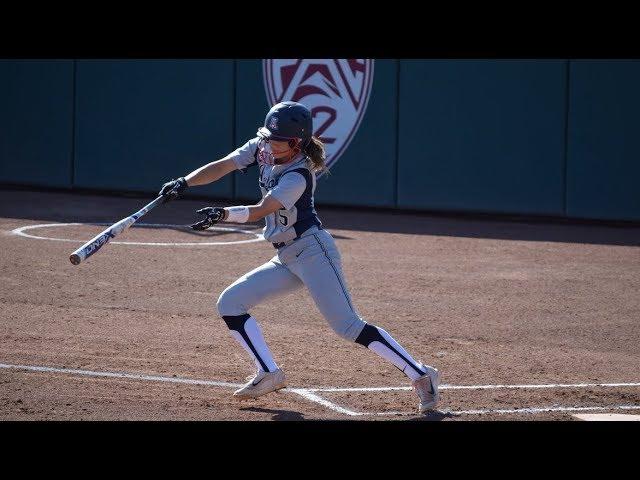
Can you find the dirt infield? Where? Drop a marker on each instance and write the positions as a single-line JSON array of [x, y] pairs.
[[527, 321]]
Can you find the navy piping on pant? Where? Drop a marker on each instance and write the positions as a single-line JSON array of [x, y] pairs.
[[326, 254], [371, 334], [236, 322]]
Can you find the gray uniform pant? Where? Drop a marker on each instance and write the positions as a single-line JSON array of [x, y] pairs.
[[313, 261]]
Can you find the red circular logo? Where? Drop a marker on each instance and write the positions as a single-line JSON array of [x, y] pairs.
[[335, 90]]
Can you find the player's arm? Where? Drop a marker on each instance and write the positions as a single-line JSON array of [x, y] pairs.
[[289, 189], [241, 158], [265, 207], [238, 214], [210, 172], [202, 176]]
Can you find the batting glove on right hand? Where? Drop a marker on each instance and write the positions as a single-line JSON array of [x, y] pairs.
[[213, 214], [173, 189]]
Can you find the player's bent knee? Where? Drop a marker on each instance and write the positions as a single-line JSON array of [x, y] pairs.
[[236, 322], [348, 328], [229, 304], [368, 335]]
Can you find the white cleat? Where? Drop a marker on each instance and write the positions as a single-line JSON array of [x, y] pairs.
[[427, 389], [261, 384]]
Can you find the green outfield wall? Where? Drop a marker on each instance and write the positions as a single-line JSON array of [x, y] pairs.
[[531, 137]]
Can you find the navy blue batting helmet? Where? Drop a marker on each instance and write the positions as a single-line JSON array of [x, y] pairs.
[[286, 121]]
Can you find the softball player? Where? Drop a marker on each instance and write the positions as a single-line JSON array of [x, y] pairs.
[[288, 157]]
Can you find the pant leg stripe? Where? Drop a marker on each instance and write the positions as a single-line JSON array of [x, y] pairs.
[[344, 290], [402, 357], [236, 322], [371, 333], [248, 340]]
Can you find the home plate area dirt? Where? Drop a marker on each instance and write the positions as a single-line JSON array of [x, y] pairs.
[[525, 320]]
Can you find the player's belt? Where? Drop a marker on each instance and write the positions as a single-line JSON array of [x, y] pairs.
[[284, 244], [289, 242]]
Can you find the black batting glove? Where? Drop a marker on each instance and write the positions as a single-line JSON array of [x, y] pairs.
[[173, 189], [213, 214]]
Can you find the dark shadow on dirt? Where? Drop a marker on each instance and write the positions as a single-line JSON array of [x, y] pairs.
[[64, 206], [282, 415], [431, 416], [501, 228]]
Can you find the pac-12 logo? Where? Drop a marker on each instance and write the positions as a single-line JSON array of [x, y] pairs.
[[335, 90]]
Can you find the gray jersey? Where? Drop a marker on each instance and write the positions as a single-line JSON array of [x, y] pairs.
[[293, 185]]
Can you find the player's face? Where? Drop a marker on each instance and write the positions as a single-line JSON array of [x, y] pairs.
[[279, 149], [271, 151]]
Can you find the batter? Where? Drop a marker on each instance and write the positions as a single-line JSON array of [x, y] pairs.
[[288, 157]]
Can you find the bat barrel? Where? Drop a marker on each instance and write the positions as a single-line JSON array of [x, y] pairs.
[[97, 242]]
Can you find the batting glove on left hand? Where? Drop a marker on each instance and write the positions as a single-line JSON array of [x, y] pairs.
[[173, 189], [213, 214]]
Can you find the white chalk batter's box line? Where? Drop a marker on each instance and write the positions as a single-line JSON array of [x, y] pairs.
[[311, 395], [20, 231]]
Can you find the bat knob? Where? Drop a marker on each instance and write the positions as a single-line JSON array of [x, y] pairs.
[[75, 258]]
